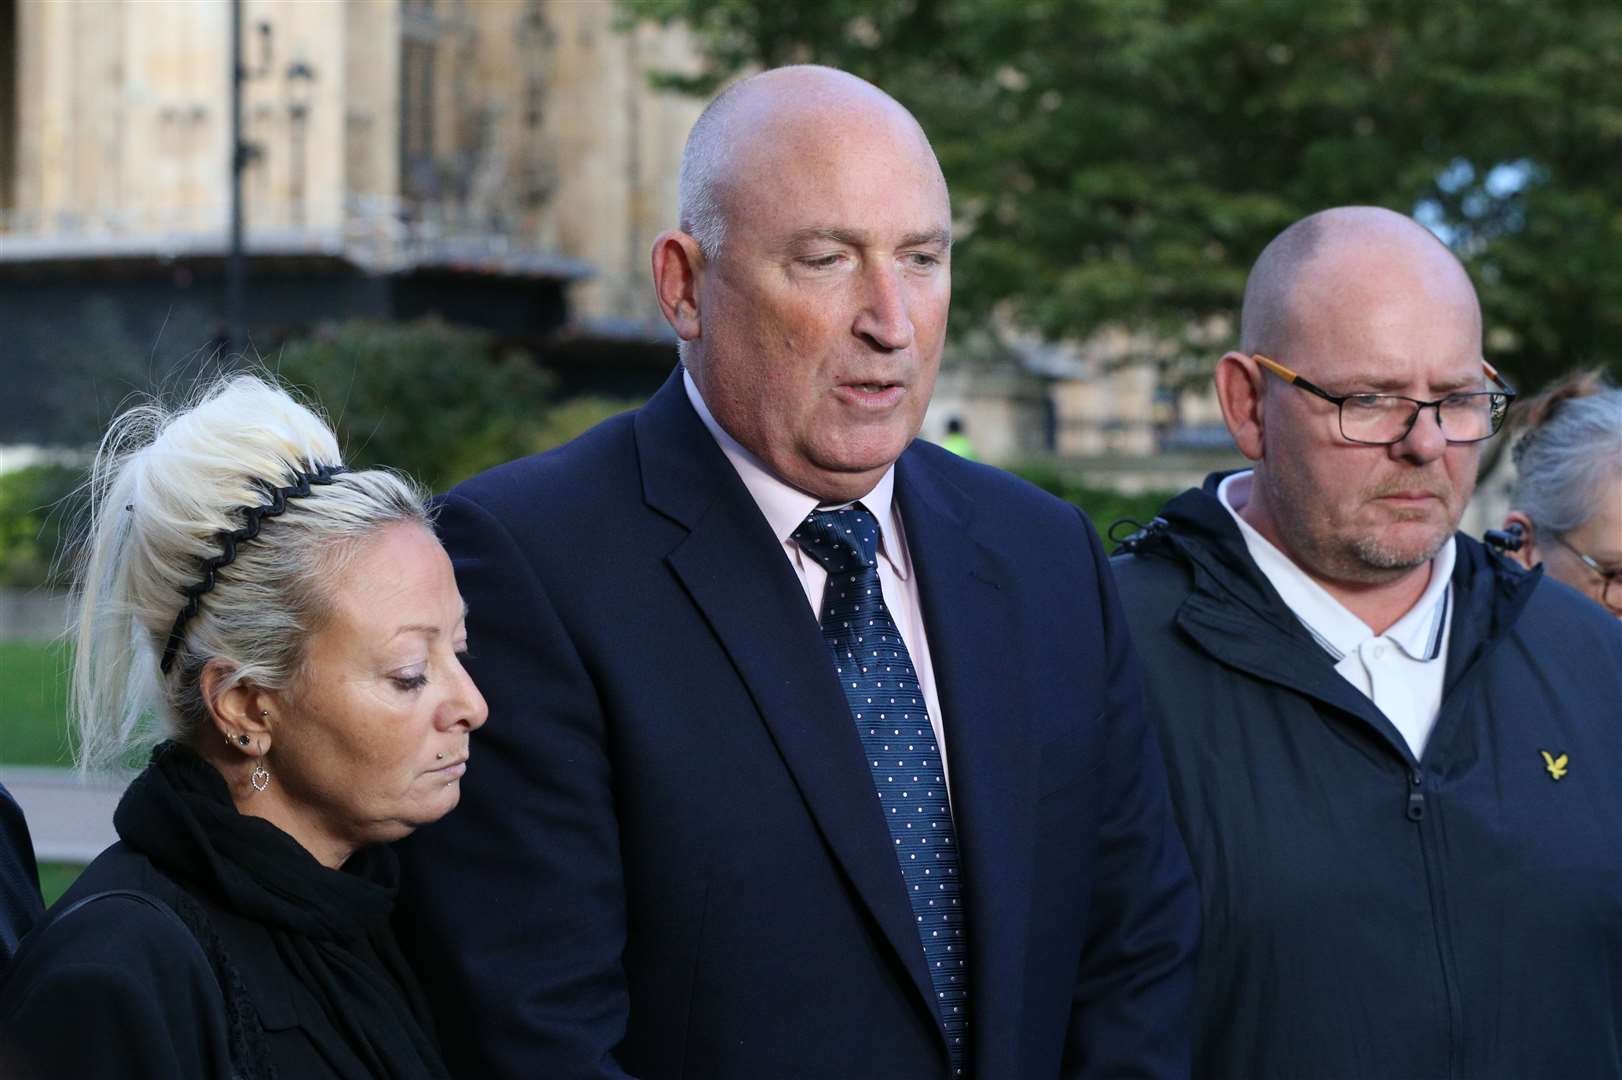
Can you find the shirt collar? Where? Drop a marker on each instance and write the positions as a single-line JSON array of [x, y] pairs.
[[785, 506], [1418, 633]]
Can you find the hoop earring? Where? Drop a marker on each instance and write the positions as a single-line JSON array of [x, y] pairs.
[[260, 778]]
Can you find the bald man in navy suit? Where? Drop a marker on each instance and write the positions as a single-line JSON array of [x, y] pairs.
[[815, 752]]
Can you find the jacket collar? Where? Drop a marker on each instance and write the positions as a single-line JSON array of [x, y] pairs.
[[683, 470], [1199, 529], [1491, 593], [1233, 613]]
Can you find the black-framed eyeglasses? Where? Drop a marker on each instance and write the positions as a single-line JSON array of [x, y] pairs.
[[1383, 419], [1610, 593]]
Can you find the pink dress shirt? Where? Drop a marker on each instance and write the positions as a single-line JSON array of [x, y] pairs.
[[786, 507]]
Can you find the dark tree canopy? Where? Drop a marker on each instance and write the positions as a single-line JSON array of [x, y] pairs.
[[1124, 161]]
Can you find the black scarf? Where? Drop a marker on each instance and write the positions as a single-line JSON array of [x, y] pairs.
[[331, 927]]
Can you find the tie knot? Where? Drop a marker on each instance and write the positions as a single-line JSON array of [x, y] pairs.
[[843, 541]]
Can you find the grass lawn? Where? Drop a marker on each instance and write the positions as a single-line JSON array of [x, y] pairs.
[[33, 707], [33, 703], [54, 879]]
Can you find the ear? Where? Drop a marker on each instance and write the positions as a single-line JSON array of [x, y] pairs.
[[677, 266], [1527, 554], [1239, 393], [237, 711]]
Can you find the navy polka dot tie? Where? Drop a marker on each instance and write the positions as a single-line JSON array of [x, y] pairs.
[[893, 723]]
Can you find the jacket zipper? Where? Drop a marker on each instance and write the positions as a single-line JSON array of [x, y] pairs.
[[1416, 799], [1416, 814]]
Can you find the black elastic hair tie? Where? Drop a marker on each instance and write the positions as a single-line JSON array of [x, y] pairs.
[[252, 516]]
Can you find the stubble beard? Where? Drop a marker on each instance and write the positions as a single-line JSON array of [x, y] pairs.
[[1321, 545], [1372, 553]]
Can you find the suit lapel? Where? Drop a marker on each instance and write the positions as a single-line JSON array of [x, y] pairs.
[[976, 656], [734, 570]]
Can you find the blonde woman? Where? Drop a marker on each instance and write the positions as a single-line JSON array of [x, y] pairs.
[[288, 633]]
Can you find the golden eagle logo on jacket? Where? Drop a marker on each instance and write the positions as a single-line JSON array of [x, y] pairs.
[[1555, 765]]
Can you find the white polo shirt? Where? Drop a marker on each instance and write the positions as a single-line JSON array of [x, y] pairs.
[[1401, 670]]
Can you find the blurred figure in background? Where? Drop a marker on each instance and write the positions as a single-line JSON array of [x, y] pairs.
[[1567, 504], [957, 440], [292, 633]]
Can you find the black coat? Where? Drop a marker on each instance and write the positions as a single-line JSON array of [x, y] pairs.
[[117, 957], [1366, 915], [20, 905], [242, 957]]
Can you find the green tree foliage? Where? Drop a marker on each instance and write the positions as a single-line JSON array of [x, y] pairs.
[[1124, 161], [39, 506], [1103, 506], [436, 401], [432, 399]]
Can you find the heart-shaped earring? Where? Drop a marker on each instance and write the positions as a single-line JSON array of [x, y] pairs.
[[260, 778]]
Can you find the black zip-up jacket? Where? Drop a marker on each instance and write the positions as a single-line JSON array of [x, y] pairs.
[[1368, 916]]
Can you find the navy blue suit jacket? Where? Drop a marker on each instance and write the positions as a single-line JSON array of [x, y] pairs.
[[668, 860]]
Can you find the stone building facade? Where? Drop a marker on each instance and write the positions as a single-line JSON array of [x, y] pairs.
[[515, 140], [505, 163]]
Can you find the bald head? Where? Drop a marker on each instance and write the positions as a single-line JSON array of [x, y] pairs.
[[760, 124], [1366, 308], [1331, 257], [810, 280]]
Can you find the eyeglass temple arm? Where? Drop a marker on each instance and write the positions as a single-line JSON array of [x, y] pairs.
[[1291, 377], [1492, 373]]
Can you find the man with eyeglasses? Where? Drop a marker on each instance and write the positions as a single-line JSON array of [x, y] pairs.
[[1396, 758]]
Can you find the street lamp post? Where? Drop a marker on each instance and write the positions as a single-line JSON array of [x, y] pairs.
[[300, 87], [242, 153]]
